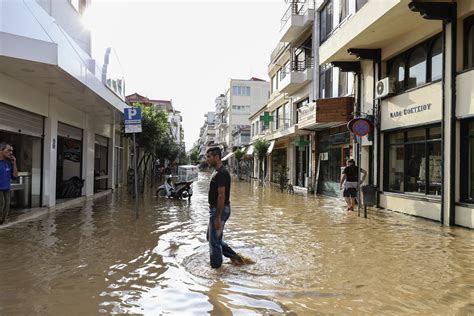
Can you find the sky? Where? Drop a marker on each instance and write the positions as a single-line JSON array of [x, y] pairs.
[[186, 51]]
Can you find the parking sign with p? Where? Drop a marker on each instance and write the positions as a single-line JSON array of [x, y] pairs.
[[133, 120]]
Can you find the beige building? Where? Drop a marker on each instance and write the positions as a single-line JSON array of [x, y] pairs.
[[404, 66]]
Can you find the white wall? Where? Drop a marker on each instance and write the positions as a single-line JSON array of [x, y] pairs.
[[70, 20]]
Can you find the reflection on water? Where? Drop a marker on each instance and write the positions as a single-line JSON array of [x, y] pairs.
[[312, 257]]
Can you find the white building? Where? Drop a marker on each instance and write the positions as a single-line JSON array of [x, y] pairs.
[[59, 107], [207, 135], [242, 98], [174, 116]]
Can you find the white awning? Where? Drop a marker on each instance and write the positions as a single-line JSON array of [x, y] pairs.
[[270, 148], [250, 150], [227, 156]]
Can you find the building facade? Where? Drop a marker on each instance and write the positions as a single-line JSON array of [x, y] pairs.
[[404, 66], [60, 108], [233, 109]]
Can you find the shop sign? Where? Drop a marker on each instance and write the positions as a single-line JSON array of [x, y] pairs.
[[411, 110]]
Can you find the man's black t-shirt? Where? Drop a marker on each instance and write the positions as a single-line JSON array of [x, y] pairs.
[[351, 173], [219, 178]]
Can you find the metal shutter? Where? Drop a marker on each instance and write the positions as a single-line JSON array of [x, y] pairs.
[[69, 131], [19, 121]]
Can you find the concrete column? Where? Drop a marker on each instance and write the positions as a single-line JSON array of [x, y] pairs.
[[111, 158], [50, 157], [448, 145], [88, 156]]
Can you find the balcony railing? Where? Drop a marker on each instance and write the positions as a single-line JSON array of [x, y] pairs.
[[296, 7], [297, 65]]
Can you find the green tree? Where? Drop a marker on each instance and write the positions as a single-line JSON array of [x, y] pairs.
[[239, 155], [155, 137], [261, 148], [194, 156]]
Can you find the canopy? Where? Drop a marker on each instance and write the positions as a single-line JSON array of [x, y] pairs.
[[227, 156], [270, 148]]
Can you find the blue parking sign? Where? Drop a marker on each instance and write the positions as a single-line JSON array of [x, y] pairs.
[[133, 114], [133, 120]]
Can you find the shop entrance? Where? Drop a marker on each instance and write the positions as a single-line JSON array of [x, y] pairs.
[[101, 163], [334, 151], [69, 162], [24, 131]]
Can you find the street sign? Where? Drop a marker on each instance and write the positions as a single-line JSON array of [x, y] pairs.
[[133, 124], [360, 127], [133, 120]]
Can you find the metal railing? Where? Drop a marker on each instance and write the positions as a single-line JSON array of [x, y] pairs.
[[296, 7], [298, 66]]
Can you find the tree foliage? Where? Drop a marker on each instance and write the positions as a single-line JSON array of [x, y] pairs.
[[261, 147], [155, 141]]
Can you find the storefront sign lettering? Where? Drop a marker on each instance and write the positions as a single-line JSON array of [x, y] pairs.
[[411, 110]]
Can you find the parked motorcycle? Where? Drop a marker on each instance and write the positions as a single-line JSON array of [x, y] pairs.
[[180, 190]]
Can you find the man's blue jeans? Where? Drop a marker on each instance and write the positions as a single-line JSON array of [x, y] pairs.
[[217, 247]]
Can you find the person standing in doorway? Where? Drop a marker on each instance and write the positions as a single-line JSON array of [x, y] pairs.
[[8, 171], [219, 210], [349, 179]]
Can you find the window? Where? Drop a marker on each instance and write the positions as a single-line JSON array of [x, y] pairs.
[[279, 117], [360, 4], [397, 73], [469, 42], [274, 86], [286, 117], [418, 65], [241, 91], [417, 68], [436, 55], [467, 161], [325, 83], [413, 162], [343, 9], [326, 16], [274, 121], [343, 84]]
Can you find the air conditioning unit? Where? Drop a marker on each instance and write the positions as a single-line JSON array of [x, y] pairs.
[[384, 87]]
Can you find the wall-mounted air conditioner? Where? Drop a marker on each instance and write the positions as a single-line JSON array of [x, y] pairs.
[[384, 87]]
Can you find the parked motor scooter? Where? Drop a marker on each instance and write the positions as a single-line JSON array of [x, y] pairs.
[[180, 190]]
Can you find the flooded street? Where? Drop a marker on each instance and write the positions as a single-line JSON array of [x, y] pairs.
[[312, 257]]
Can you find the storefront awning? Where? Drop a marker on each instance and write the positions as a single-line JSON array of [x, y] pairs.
[[270, 148], [227, 156], [250, 150]]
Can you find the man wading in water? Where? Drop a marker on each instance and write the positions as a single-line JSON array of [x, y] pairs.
[[219, 210], [349, 179]]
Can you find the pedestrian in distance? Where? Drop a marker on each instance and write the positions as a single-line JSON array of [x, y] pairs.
[[349, 181], [8, 171], [219, 211]]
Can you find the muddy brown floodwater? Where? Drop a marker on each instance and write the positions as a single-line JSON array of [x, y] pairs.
[[312, 257]]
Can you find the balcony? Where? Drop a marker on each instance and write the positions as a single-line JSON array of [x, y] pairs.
[[326, 113], [298, 17], [295, 75]]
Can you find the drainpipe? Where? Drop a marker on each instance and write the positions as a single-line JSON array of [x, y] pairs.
[[316, 39]]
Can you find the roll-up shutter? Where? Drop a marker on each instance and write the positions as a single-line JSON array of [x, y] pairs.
[[69, 131], [19, 121], [101, 140]]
